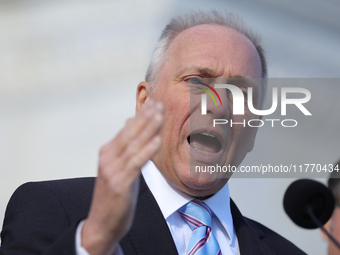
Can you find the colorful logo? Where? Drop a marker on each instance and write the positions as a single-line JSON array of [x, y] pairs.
[[239, 98], [197, 81]]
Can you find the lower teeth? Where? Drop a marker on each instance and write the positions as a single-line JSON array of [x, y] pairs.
[[203, 152]]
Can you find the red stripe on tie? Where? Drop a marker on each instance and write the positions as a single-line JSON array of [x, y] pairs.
[[199, 203], [192, 220], [200, 243]]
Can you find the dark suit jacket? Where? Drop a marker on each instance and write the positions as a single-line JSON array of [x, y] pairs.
[[42, 217]]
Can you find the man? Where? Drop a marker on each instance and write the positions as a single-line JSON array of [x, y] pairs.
[[333, 225], [152, 213]]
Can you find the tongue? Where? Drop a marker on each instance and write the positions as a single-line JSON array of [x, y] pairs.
[[204, 144]]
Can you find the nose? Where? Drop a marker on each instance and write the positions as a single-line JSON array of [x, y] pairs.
[[218, 104]]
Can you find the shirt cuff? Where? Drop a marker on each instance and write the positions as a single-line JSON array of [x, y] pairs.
[[80, 250]]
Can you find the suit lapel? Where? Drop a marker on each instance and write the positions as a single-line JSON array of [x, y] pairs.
[[248, 235], [149, 233]]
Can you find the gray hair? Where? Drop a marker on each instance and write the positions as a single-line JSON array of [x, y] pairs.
[[195, 18]]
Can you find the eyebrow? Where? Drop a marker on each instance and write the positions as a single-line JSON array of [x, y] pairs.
[[207, 72], [204, 71]]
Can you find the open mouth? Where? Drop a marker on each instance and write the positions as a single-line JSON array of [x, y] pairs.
[[204, 143]]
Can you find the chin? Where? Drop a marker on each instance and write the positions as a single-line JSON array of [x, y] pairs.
[[201, 187]]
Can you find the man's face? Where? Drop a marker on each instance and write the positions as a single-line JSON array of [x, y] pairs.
[[334, 229], [208, 51]]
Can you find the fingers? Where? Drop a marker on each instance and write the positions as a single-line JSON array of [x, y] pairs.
[[137, 142], [147, 119], [145, 154], [146, 137], [115, 194], [146, 140]]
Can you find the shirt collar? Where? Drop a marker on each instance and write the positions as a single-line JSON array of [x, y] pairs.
[[220, 205], [170, 199]]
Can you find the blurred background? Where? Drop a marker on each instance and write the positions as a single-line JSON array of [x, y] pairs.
[[69, 70]]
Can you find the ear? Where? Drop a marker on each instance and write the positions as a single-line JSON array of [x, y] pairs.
[[142, 94], [327, 226]]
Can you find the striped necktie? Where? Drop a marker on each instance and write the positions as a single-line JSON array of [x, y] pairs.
[[198, 215]]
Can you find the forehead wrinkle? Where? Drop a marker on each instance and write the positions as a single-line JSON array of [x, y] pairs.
[[194, 59], [194, 69]]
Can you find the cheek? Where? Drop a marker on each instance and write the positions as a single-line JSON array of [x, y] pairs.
[[241, 130], [175, 114], [243, 137]]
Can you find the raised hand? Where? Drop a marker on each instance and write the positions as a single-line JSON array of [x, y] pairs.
[[115, 193]]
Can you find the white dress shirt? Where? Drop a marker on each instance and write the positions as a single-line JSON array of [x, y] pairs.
[[169, 200]]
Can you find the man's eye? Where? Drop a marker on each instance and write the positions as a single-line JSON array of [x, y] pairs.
[[196, 85], [195, 81]]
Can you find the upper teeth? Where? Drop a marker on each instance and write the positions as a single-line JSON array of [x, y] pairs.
[[207, 134]]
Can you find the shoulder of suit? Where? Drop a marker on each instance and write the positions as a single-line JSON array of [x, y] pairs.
[[72, 196], [74, 185], [273, 239]]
